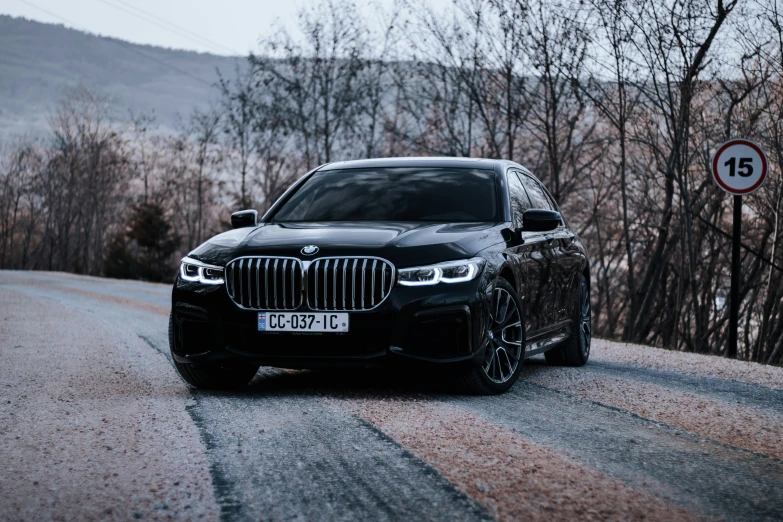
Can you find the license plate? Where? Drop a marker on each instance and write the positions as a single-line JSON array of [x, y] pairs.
[[306, 322]]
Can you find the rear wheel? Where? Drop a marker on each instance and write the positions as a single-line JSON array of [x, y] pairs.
[[215, 377], [505, 344], [575, 350]]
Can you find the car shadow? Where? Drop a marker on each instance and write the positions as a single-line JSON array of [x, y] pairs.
[[350, 383], [359, 383]]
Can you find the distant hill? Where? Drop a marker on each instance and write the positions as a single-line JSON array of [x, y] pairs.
[[40, 62]]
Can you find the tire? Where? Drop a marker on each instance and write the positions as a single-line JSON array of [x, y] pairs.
[[214, 378], [575, 351], [498, 371]]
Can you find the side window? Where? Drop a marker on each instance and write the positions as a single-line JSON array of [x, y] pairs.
[[519, 199], [537, 196]]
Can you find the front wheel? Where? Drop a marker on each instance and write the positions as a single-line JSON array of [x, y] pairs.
[[505, 344], [575, 350], [215, 377]]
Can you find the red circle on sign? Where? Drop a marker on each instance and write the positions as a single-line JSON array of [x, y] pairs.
[[747, 143]]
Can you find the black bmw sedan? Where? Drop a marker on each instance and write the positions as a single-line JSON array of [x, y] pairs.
[[466, 265]]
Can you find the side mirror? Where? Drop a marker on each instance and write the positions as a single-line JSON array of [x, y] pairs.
[[244, 218], [540, 220]]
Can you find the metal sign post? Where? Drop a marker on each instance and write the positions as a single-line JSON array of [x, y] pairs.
[[739, 167], [734, 295]]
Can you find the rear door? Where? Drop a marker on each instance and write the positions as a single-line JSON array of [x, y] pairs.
[[570, 261]]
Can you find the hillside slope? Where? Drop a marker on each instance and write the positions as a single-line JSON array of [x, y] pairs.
[[40, 63]]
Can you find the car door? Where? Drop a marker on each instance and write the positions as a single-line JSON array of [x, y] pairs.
[[536, 260], [548, 277], [570, 260]]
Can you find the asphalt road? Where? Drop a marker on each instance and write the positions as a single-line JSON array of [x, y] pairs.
[[96, 425]]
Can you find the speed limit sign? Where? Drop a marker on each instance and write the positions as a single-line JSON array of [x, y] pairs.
[[739, 167]]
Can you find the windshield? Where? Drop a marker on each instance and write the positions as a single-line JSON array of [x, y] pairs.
[[395, 194]]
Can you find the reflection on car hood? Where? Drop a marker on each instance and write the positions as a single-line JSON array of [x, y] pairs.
[[402, 243]]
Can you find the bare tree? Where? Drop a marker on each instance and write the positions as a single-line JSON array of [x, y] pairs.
[[611, 89], [675, 39], [147, 148], [315, 80], [239, 113], [558, 42], [204, 127], [18, 170], [84, 182]]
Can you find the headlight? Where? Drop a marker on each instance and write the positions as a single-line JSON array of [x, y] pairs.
[[195, 271], [449, 272]]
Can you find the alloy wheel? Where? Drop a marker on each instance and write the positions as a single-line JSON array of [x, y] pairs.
[[504, 343], [585, 322]]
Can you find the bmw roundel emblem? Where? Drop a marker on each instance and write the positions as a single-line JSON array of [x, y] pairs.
[[309, 250]]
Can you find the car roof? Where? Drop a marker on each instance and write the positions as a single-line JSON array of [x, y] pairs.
[[448, 162]]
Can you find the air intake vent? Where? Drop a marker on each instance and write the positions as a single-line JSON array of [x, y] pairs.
[[265, 283], [348, 283]]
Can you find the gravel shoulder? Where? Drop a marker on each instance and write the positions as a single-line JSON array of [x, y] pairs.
[[695, 472], [686, 363], [755, 428]]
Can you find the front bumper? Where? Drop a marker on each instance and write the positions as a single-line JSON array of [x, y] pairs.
[[440, 324]]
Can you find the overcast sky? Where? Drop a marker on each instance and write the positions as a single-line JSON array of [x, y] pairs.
[[216, 26]]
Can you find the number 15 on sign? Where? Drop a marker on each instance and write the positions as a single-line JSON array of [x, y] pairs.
[[745, 165]]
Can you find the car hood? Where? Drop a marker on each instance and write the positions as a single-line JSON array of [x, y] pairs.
[[402, 243]]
